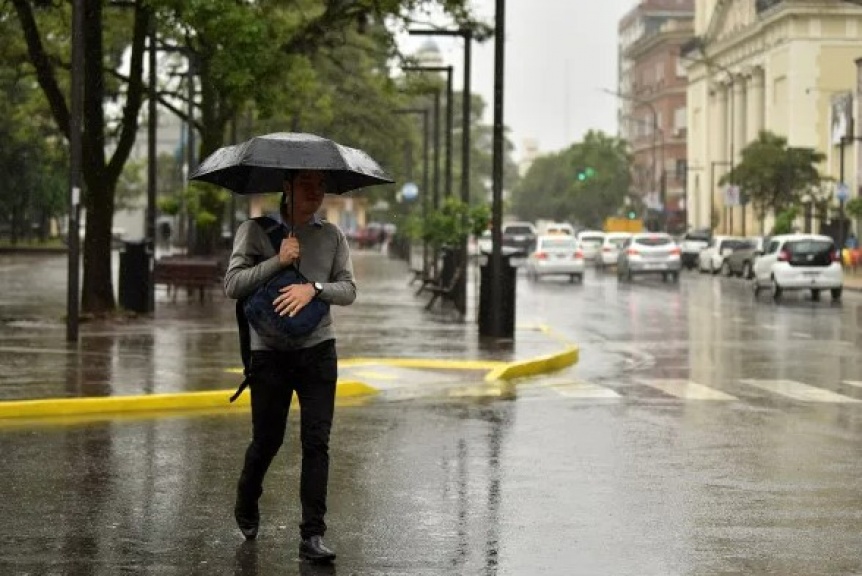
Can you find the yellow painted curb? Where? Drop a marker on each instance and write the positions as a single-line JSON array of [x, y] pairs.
[[535, 366], [53, 407]]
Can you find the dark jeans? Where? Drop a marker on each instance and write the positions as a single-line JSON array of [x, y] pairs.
[[275, 376]]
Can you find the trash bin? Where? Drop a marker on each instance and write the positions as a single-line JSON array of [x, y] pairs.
[[507, 279], [135, 276]]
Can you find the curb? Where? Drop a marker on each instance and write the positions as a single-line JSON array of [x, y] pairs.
[[182, 401], [217, 400]]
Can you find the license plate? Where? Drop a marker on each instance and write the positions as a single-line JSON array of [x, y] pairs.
[[654, 266], [811, 274]]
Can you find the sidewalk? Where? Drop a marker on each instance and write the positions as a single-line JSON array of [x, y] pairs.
[[187, 355], [853, 280]]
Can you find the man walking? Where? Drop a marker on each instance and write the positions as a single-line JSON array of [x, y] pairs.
[[306, 365]]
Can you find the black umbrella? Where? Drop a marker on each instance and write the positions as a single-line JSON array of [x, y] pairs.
[[258, 165]]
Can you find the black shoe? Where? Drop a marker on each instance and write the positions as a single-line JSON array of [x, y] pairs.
[[247, 516], [314, 550]]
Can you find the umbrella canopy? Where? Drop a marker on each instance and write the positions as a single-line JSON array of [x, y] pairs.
[[258, 165]]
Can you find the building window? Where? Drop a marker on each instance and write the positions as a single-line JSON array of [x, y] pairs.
[[680, 119], [680, 69]]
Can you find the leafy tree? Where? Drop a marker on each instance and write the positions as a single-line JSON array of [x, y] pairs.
[[233, 45], [773, 176], [553, 189]]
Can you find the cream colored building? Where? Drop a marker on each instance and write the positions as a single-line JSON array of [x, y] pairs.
[[772, 65]]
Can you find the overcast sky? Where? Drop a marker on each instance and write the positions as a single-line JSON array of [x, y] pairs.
[[559, 54]]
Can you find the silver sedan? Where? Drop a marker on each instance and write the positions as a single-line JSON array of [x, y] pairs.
[[556, 255], [649, 253]]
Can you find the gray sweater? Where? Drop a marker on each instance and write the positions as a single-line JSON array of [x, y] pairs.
[[325, 258]]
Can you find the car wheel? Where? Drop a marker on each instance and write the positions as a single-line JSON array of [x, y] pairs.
[[746, 270], [725, 269], [712, 269], [815, 295], [755, 287], [776, 290], [674, 277], [579, 278], [836, 294]]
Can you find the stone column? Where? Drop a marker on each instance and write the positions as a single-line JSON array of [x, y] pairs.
[[756, 104], [738, 142], [718, 152]]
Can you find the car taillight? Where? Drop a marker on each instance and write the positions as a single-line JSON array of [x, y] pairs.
[[579, 255], [675, 252], [632, 252], [541, 255], [835, 256], [606, 249], [784, 256]]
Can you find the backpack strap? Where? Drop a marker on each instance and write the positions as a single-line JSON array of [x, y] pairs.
[[274, 232]]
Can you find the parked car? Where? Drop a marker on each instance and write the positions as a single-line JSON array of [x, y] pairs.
[[711, 259], [519, 235], [799, 262], [740, 262], [649, 253], [556, 255], [552, 228], [610, 251], [691, 245], [591, 242]]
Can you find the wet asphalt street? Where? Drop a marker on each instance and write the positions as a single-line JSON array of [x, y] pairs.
[[702, 432]]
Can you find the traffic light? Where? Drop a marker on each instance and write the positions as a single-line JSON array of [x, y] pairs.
[[585, 174], [632, 214]]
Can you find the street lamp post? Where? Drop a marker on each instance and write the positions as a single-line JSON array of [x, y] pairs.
[[460, 297], [449, 116], [424, 200], [76, 122], [466, 113], [842, 189]]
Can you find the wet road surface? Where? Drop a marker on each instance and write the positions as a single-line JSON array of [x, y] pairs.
[[703, 432]]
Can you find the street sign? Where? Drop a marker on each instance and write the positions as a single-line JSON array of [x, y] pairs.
[[409, 191], [731, 196], [842, 193]]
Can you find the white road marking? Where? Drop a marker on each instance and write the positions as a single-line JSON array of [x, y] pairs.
[[799, 391], [584, 390], [687, 389]]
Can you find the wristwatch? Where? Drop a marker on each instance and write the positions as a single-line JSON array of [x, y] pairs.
[[318, 288]]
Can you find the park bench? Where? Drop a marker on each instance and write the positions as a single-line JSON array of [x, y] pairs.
[[193, 274], [438, 289]]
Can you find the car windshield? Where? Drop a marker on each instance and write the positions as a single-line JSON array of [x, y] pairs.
[[592, 240], [654, 241], [696, 237], [559, 244], [809, 247], [518, 230]]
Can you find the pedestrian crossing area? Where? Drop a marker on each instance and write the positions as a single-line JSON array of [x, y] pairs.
[[846, 392]]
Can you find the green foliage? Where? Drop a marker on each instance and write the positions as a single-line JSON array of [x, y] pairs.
[[773, 176], [585, 183], [450, 225], [784, 221], [853, 207], [168, 205]]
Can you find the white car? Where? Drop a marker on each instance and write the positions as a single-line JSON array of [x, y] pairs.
[[590, 241], [649, 253], [692, 244], [799, 262], [712, 257], [556, 255], [611, 248]]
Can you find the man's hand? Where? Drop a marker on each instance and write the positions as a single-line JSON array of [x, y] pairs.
[[289, 251], [293, 298]]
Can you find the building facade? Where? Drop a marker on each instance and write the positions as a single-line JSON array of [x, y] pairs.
[[658, 122], [645, 19], [777, 65]]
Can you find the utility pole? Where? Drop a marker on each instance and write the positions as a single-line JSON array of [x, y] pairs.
[[76, 123]]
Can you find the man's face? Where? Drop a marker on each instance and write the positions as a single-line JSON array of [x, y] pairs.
[[308, 190]]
